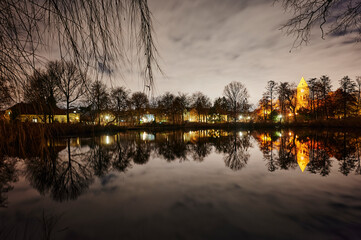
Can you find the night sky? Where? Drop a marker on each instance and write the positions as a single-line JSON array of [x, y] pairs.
[[206, 44]]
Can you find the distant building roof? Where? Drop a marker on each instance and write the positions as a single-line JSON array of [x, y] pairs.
[[36, 109], [302, 83]]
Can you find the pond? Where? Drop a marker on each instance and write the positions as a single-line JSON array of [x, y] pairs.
[[207, 184]]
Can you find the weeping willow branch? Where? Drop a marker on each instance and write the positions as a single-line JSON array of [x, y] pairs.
[[89, 33]]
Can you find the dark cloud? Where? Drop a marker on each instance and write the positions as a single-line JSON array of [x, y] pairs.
[[205, 44]]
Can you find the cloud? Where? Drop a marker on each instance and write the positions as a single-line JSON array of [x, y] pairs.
[[206, 44]]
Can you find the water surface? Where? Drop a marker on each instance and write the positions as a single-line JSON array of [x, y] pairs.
[[208, 184]]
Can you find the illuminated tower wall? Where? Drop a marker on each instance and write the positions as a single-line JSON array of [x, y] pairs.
[[303, 94]]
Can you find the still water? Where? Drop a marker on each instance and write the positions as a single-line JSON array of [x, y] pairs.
[[208, 184]]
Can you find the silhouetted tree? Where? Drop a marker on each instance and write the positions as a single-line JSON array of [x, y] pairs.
[[180, 104], [165, 105], [120, 102], [312, 84], [69, 80], [98, 97], [271, 92], [348, 87], [201, 103], [139, 103], [237, 95], [287, 98], [220, 107], [42, 89], [358, 93], [325, 88]]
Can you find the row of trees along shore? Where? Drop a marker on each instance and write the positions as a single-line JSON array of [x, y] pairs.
[[280, 99], [63, 84]]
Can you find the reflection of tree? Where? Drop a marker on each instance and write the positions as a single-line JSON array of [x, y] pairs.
[[319, 159], [286, 155], [141, 153], [266, 146], [8, 175], [65, 176], [345, 153], [200, 149], [358, 166], [100, 159], [73, 176], [122, 155], [236, 151], [174, 147]]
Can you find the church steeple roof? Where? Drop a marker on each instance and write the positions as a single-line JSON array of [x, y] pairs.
[[302, 83]]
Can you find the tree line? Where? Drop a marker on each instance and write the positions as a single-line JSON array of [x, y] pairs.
[[322, 102], [63, 83]]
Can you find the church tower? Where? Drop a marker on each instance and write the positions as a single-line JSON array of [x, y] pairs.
[[303, 93]]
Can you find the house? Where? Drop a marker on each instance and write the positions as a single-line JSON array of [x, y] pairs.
[[32, 112]]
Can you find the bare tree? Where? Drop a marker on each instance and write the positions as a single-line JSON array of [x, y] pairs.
[[333, 17], [271, 92], [98, 97], [348, 88], [165, 105], [139, 102], [42, 90], [119, 98], [358, 82], [69, 80], [180, 104], [88, 33], [201, 103], [237, 95], [325, 88], [287, 97]]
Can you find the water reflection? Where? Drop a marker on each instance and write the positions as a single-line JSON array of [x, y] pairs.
[[65, 168]]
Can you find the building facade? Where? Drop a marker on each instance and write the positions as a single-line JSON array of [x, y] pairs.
[[303, 94]]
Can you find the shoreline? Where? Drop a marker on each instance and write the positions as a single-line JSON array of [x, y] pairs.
[[69, 130], [81, 129]]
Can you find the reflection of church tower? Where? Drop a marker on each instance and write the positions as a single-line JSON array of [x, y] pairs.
[[303, 155], [303, 94]]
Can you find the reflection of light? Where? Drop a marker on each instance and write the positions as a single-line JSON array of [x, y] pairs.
[[240, 134], [107, 140], [106, 117], [74, 111], [280, 116], [302, 158], [144, 136]]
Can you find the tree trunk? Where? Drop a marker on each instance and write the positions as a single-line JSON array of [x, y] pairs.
[[67, 112]]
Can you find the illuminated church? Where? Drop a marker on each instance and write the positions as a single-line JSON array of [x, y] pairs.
[[303, 94]]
